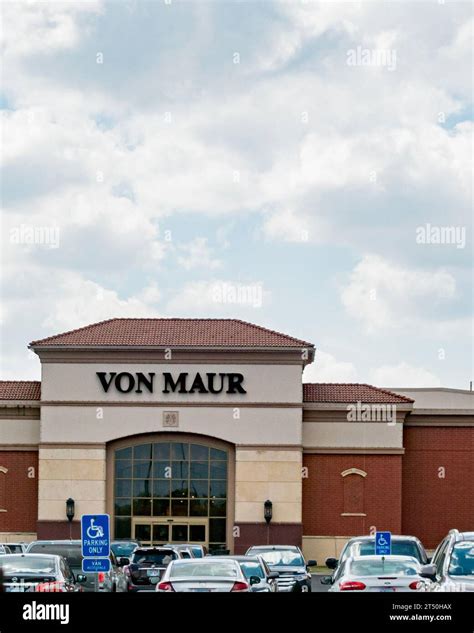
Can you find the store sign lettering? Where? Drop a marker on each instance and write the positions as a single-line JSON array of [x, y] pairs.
[[126, 382]]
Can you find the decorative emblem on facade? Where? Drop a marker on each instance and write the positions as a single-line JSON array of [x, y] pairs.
[[171, 419]]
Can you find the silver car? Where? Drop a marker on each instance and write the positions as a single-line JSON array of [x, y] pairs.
[[376, 573], [210, 574], [452, 567]]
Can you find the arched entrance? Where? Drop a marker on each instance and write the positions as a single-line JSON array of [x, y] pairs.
[[171, 488]]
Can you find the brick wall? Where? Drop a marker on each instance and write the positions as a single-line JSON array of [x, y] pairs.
[[18, 492], [432, 505], [324, 492]]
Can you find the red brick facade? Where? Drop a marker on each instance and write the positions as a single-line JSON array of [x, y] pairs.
[[18, 491], [327, 495], [435, 501]]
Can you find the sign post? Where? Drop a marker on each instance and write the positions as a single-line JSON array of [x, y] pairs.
[[95, 537], [383, 543]]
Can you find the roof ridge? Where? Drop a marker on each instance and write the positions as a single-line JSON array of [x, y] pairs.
[[78, 329]]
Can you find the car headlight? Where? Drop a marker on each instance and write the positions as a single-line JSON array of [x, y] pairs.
[[301, 576]]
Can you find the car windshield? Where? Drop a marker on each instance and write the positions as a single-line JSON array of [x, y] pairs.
[[123, 549], [462, 559], [153, 558], [72, 553], [251, 568], [399, 548], [283, 557], [383, 568], [207, 569], [28, 565]]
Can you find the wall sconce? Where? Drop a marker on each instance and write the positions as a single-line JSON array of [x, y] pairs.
[[70, 509], [268, 510]]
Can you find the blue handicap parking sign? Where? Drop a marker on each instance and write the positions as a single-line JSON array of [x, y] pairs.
[[94, 565], [95, 535], [383, 543]]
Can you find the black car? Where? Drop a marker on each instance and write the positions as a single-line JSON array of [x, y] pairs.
[[40, 573], [146, 567], [289, 562]]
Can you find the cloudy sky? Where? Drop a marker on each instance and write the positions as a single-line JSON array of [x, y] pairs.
[[288, 163]]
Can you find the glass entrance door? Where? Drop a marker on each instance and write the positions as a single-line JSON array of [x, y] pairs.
[[171, 531]]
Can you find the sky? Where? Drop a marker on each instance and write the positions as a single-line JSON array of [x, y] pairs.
[[306, 166]]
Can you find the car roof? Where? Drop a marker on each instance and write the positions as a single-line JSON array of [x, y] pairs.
[[388, 557], [202, 561], [460, 536], [395, 537], [241, 558], [269, 548], [27, 555], [57, 542], [158, 548]]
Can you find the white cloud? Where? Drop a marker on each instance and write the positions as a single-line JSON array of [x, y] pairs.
[[403, 375], [219, 297], [80, 302], [383, 295], [197, 254], [43, 27], [326, 368]]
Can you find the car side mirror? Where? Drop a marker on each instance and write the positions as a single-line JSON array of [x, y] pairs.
[[123, 560], [326, 580], [311, 563], [254, 580], [428, 571], [331, 563], [273, 575], [80, 578]]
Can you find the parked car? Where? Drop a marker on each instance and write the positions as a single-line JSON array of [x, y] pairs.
[[146, 567], [452, 566], [210, 574], [258, 573], [376, 574], [5, 549], [15, 548], [365, 546], [123, 548], [198, 551], [288, 561], [39, 572], [111, 581]]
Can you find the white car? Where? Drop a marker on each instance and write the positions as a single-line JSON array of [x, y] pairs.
[[376, 573], [210, 574]]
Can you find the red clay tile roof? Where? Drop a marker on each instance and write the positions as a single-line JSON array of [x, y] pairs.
[[169, 332], [20, 390], [349, 392]]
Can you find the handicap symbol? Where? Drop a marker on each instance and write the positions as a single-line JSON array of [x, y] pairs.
[[94, 531], [382, 540]]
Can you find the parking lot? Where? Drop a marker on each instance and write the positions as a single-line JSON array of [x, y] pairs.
[[379, 563]]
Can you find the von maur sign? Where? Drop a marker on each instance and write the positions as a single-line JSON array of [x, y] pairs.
[[139, 382]]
